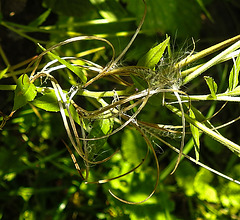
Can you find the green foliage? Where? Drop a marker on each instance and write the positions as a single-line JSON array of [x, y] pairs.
[[118, 127], [233, 78], [24, 93], [211, 85], [73, 8], [196, 135], [48, 101], [41, 19], [138, 148], [153, 56], [170, 16]]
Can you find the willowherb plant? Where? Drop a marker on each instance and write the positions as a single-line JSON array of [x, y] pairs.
[[88, 130]]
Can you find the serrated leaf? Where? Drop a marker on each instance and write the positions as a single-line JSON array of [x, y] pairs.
[[212, 85], [233, 77], [153, 56], [195, 135], [24, 93]]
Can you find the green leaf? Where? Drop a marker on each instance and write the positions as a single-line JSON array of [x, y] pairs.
[[230, 192], [74, 8], [196, 135], [203, 188], [234, 92], [47, 102], [109, 9], [133, 147], [139, 82], [74, 69], [24, 93], [200, 117], [98, 129], [153, 56], [74, 114], [233, 77], [201, 4], [212, 85], [185, 177], [40, 19], [169, 16], [3, 72]]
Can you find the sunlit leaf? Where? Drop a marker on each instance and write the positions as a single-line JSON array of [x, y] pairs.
[[230, 193], [109, 9], [212, 85], [203, 188], [153, 56], [2, 72], [24, 93], [47, 102], [196, 135], [235, 91], [133, 147], [74, 69], [233, 77], [74, 114]]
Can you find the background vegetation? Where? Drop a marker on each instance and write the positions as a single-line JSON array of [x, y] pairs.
[[38, 179]]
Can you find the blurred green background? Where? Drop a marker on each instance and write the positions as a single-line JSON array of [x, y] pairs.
[[38, 179]]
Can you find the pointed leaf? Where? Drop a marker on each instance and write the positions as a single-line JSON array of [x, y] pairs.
[[196, 135], [139, 82], [2, 72], [234, 92], [40, 19], [233, 77], [153, 56], [24, 93], [74, 69], [211, 85]]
